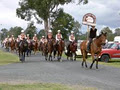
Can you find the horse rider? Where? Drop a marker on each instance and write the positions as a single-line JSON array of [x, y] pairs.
[[11, 38], [58, 36], [42, 40], [22, 36], [18, 39], [49, 35], [71, 40], [28, 38], [92, 34], [35, 38]]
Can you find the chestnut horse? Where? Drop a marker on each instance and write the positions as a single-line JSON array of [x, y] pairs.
[[12, 45], [60, 48], [35, 46], [50, 46], [95, 49]]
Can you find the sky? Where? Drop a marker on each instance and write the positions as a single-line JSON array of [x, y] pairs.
[[107, 13]]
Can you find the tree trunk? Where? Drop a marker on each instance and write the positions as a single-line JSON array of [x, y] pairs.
[[46, 26]]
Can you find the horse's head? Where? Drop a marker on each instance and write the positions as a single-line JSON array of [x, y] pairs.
[[25, 43], [102, 37]]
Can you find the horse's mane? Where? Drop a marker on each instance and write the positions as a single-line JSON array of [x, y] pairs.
[[100, 35]]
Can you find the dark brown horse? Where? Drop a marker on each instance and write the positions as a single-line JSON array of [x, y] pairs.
[[72, 48], [23, 47], [60, 48], [96, 47]]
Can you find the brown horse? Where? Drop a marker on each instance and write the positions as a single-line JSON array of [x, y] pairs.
[[35, 46], [72, 48], [60, 48], [40, 46], [7, 44], [50, 46], [12, 45], [96, 47]]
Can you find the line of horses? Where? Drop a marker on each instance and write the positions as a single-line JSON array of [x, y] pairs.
[[51, 49]]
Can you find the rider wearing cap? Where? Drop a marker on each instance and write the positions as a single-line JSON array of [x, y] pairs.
[[42, 40], [11, 38], [49, 36], [72, 37], [28, 38], [71, 40], [58, 36], [22, 35], [35, 37], [18, 39]]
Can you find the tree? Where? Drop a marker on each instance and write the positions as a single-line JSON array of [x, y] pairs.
[[15, 31], [4, 33], [110, 35], [31, 29], [41, 10], [64, 22], [117, 32], [41, 33]]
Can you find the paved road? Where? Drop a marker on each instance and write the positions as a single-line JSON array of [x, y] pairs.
[[67, 72]]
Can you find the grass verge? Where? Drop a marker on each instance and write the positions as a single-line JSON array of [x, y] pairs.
[[42, 86], [7, 58]]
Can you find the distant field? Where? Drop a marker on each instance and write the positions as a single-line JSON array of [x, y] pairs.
[[43, 86], [7, 58]]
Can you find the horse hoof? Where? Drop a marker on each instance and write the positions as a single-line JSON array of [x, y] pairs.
[[90, 67]]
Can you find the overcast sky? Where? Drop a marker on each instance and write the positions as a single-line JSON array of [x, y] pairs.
[[106, 12]]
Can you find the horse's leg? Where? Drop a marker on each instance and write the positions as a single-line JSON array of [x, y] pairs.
[[51, 56], [84, 58], [93, 61], [97, 61], [97, 64], [24, 56]]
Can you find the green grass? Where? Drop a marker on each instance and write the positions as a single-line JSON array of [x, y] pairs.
[[112, 62], [42, 86], [7, 58]]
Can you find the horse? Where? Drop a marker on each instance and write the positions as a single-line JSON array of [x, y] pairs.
[[7, 44], [60, 48], [35, 46], [16, 46], [40, 46], [23, 46], [30, 48], [95, 49], [12, 45], [45, 50], [72, 48], [50, 46]]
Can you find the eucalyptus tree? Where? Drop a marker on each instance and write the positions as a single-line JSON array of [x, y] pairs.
[[40, 10], [64, 22]]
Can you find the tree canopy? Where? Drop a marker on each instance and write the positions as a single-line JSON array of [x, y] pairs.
[[41, 10]]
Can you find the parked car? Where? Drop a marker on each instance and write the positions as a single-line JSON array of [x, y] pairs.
[[109, 53], [108, 45]]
